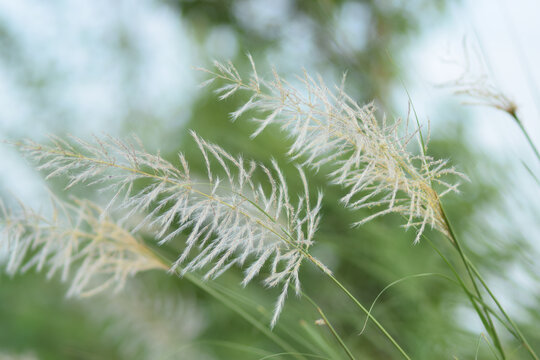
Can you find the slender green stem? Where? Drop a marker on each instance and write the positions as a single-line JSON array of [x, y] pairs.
[[490, 326], [473, 299], [241, 301], [290, 240], [325, 270], [377, 323], [490, 347], [501, 309], [462, 284], [484, 317], [395, 283], [234, 307], [511, 326], [530, 172], [526, 134], [286, 237], [252, 320], [330, 327]]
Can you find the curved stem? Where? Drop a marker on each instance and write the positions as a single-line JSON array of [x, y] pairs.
[[488, 323], [484, 315], [501, 309], [286, 236], [377, 323], [237, 309], [526, 134], [472, 298], [330, 327]]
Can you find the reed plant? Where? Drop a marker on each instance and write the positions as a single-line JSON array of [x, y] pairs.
[[241, 213], [372, 160]]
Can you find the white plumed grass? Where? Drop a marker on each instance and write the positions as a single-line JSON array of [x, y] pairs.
[[76, 238], [370, 157], [230, 221]]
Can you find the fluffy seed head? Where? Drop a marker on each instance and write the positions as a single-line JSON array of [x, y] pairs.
[[230, 221], [76, 239], [370, 157]]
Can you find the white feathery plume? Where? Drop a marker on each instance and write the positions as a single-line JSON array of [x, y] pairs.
[[481, 91], [75, 238], [230, 221], [475, 84], [369, 156]]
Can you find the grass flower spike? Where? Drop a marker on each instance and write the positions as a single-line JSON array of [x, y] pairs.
[[230, 220], [481, 91], [79, 238], [369, 157]]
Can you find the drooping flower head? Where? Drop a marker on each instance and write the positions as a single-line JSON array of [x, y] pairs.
[[229, 221]]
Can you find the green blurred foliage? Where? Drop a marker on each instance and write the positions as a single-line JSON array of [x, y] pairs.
[[420, 311]]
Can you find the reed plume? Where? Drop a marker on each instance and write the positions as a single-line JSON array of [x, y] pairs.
[[480, 90], [230, 221], [76, 238], [370, 157]]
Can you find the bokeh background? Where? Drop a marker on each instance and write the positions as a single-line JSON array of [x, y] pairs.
[[127, 67]]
